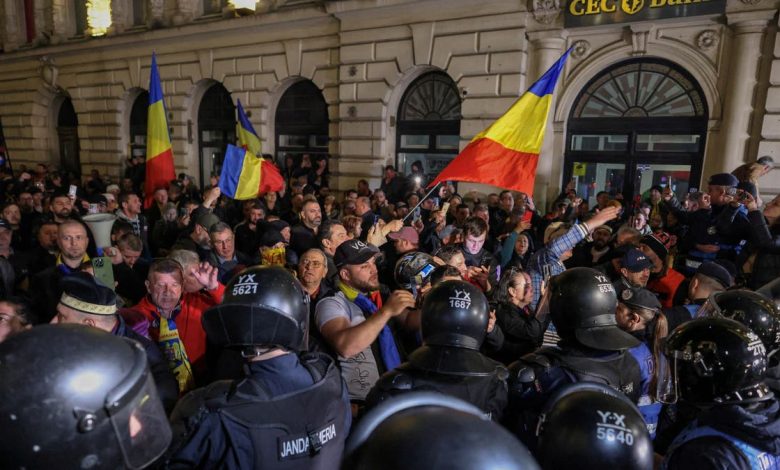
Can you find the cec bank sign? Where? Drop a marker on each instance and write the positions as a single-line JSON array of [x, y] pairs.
[[600, 12]]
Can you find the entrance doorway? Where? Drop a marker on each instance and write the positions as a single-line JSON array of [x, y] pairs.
[[301, 125], [216, 129], [638, 124], [68, 137]]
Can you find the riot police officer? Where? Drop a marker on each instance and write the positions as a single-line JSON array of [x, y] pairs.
[[454, 325], [718, 366], [758, 313], [290, 412], [426, 430], [591, 425], [78, 397], [581, 303]]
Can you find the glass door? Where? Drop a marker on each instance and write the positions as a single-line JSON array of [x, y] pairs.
[[592, 178], [639, 123]]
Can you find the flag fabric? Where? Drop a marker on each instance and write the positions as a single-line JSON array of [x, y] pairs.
[[506, 153], [247, 137], [245, 176], [159, 152]]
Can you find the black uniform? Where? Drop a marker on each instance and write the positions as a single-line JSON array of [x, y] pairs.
[[536, 376], [481, 383], [286, 414]]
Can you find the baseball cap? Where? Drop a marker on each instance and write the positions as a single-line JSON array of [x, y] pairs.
[[635, 261], [207, 220], [406, 233], [723, 179], [5, 224], [717, 272], [354, 252]]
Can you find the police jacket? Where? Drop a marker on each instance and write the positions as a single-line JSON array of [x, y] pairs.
[[729, 436], [290, 412], [536, 376], [462, 373]]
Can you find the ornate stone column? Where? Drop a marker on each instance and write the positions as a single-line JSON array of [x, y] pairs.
[[546, 48], [749, 28]]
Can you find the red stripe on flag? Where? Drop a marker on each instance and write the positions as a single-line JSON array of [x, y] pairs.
[[488, 162], [159, 173], [271, 179]]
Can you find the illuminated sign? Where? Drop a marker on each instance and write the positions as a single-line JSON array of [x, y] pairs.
[[600, 12]]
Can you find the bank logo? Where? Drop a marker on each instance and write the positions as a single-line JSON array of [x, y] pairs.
[[631, 6]]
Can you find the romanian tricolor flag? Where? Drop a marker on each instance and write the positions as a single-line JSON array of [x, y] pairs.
[[506, 153], [245, 176], [247, 137], [159, 153]]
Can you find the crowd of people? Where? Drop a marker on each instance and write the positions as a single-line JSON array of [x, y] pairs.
[[629, 332]]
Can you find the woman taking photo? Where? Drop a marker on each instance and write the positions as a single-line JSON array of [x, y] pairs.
[[522, 331]]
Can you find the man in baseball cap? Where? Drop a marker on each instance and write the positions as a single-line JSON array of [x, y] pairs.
[[634, 270], [354, 321]]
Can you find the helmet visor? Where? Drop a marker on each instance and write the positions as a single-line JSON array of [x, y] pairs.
[[140, 425], [771, 290], [710, 308], [666, 386]]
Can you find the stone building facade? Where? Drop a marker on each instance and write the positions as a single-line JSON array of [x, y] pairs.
[[666, 101]]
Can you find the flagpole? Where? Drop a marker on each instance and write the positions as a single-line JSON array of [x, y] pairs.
[[411, 212]]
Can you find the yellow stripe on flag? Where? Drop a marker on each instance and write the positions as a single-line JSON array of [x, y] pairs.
[[249, 181], [248, 140], [522, 127], [157, 139]]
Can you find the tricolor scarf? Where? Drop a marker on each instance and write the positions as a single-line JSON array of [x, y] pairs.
[[369, 306], [172, 348]]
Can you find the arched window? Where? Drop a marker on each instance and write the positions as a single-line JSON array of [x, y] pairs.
[[640, 123], [428, 124], [67, 133], [138, 123], [301, 122], [216, 129]]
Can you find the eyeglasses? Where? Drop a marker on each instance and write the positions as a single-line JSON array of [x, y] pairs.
[[311, 264]]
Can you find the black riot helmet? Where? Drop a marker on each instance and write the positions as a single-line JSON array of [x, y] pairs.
[[753, 310], [716, 361], [263, 306], [591, 425], [455, 313], [771, 290], [582, 306], [426, 430], [412, 270], [78, 397]]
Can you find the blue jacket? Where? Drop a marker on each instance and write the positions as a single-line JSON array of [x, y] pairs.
[[729, 437]]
